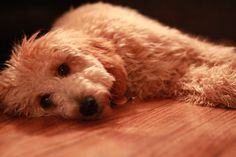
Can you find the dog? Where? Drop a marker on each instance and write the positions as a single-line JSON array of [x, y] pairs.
[[101, 54]]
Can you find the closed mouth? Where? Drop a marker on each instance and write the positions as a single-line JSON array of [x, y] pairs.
[[95, 116]]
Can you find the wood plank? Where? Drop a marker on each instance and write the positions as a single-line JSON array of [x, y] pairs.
[[140, 129]]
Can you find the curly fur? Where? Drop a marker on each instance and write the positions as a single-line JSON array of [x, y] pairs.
[[115, 53]]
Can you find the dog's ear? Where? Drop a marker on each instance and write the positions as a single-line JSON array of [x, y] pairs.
[[114, 64], [9, 100], [4, 88]]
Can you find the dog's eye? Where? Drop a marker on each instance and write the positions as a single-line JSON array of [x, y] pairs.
[[63, 70], [45, 101]]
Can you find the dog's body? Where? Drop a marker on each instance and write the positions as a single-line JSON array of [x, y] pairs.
[[108, 52]]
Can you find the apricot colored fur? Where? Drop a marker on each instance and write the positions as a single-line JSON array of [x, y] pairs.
[[115, 53]]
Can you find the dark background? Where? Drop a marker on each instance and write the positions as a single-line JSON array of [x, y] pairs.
[[214, 19]]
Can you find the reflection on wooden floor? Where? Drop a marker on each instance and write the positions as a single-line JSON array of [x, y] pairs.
[[141, 129]]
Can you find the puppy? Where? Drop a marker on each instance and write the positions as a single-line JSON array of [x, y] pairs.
[[100, 54]]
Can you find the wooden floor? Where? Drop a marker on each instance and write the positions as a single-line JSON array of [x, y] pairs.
[[149, 129]]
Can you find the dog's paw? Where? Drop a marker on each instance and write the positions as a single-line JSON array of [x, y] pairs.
[[119, 101]]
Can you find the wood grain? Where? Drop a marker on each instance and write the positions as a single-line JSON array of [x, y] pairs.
[[141, 129]]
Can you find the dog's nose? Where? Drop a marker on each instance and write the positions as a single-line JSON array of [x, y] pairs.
[[88, 106]]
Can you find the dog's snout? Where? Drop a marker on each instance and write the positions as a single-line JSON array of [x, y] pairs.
[[88, 106]]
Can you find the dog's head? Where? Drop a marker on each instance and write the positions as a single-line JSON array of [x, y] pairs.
[[62, 73]]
